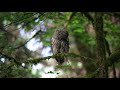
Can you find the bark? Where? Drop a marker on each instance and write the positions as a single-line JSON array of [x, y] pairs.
[[100, 41]]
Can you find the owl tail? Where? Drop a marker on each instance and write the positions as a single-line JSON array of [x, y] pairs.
[[60, 60]]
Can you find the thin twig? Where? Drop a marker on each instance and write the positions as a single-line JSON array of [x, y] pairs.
[[28, 22], [28, 40], [5, 26], [32, 36], [10, 58]]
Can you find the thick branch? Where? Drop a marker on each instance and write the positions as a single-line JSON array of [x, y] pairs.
[[115, 57], [87, 14], [37, 60]]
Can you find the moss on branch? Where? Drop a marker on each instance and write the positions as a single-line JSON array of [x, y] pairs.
[[37, 60]]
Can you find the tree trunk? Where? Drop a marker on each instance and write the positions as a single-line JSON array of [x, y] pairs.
[[100, 41]]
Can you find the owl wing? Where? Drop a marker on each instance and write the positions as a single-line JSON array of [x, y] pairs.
[[55, 45], [64, 46]]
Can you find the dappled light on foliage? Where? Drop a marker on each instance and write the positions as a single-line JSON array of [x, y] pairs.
[[86, 45]]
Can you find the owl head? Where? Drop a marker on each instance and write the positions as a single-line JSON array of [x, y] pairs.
[[61, 34]]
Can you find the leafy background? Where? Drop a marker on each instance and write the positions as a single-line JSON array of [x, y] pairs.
[[27, 35]]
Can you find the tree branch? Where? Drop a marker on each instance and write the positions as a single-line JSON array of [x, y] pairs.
[[69, 19], [10, 58], [116, 14], [5, 26], [37, 60], [28, 40], [114, 57], [93, 75], [87, 14]]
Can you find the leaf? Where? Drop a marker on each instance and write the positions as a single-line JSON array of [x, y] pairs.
[[79, 30]]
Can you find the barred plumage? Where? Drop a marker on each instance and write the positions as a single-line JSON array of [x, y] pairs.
[[60, 44]]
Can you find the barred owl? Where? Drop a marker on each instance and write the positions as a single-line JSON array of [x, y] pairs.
[[60, 44]]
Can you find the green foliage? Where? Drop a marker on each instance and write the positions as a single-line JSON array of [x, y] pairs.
[[52, 21]]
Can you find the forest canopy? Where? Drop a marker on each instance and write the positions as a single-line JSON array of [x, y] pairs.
[[59, 44]]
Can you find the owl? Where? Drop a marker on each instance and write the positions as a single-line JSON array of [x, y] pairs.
[[60, 44]]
